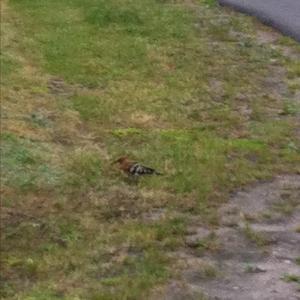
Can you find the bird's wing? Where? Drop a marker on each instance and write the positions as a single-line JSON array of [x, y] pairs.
[[133, 167], [137, 170]]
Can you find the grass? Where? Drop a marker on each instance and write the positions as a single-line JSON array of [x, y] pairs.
[[207, 271], [291, 278], [250, 268], [210, 243], [84, 169], [26, 164], [256, 237], [287, 205], [178, 86]]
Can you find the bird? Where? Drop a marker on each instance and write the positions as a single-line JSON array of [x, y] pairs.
[[133, 168]]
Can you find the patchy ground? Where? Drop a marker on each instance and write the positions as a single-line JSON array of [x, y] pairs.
[[254, 254], [203, 94]]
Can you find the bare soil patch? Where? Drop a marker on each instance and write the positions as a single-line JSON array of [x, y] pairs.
[[256, 247]]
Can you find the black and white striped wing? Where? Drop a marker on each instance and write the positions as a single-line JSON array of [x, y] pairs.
[[138, 170]]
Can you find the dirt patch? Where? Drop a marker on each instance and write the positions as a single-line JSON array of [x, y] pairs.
[[275, 83], [257, 247], [267, 36], [58, 87]]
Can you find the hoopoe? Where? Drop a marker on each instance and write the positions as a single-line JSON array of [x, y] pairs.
[[133, 168]]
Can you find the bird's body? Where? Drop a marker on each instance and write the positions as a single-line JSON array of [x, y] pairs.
[[134, 168]]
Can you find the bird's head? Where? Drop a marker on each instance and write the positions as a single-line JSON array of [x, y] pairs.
[[121, 160]]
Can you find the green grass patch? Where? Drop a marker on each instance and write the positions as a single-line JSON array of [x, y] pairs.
[[9, 65], [84, 169], [26, 165], [150, 270], [178, 87], [291, 278]]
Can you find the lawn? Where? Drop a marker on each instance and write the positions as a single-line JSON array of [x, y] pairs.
[[184, 86]]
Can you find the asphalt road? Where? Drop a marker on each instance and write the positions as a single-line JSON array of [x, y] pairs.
[[284, 15]]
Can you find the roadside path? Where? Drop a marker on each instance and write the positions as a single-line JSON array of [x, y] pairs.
[[282, 15]]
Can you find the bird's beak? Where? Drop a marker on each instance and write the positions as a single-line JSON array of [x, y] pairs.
[[114, 162]]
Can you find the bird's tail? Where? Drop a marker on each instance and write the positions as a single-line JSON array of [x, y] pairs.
[[158, 173], [151, 171]]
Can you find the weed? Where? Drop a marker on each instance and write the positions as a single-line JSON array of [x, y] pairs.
[[290, 108], [287, 205], [208, 271], [291, 278], [258, 238], [210, 243], [249, 269]]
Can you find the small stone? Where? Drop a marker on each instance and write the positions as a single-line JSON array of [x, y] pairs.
[[255, 269], [258, 269]]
